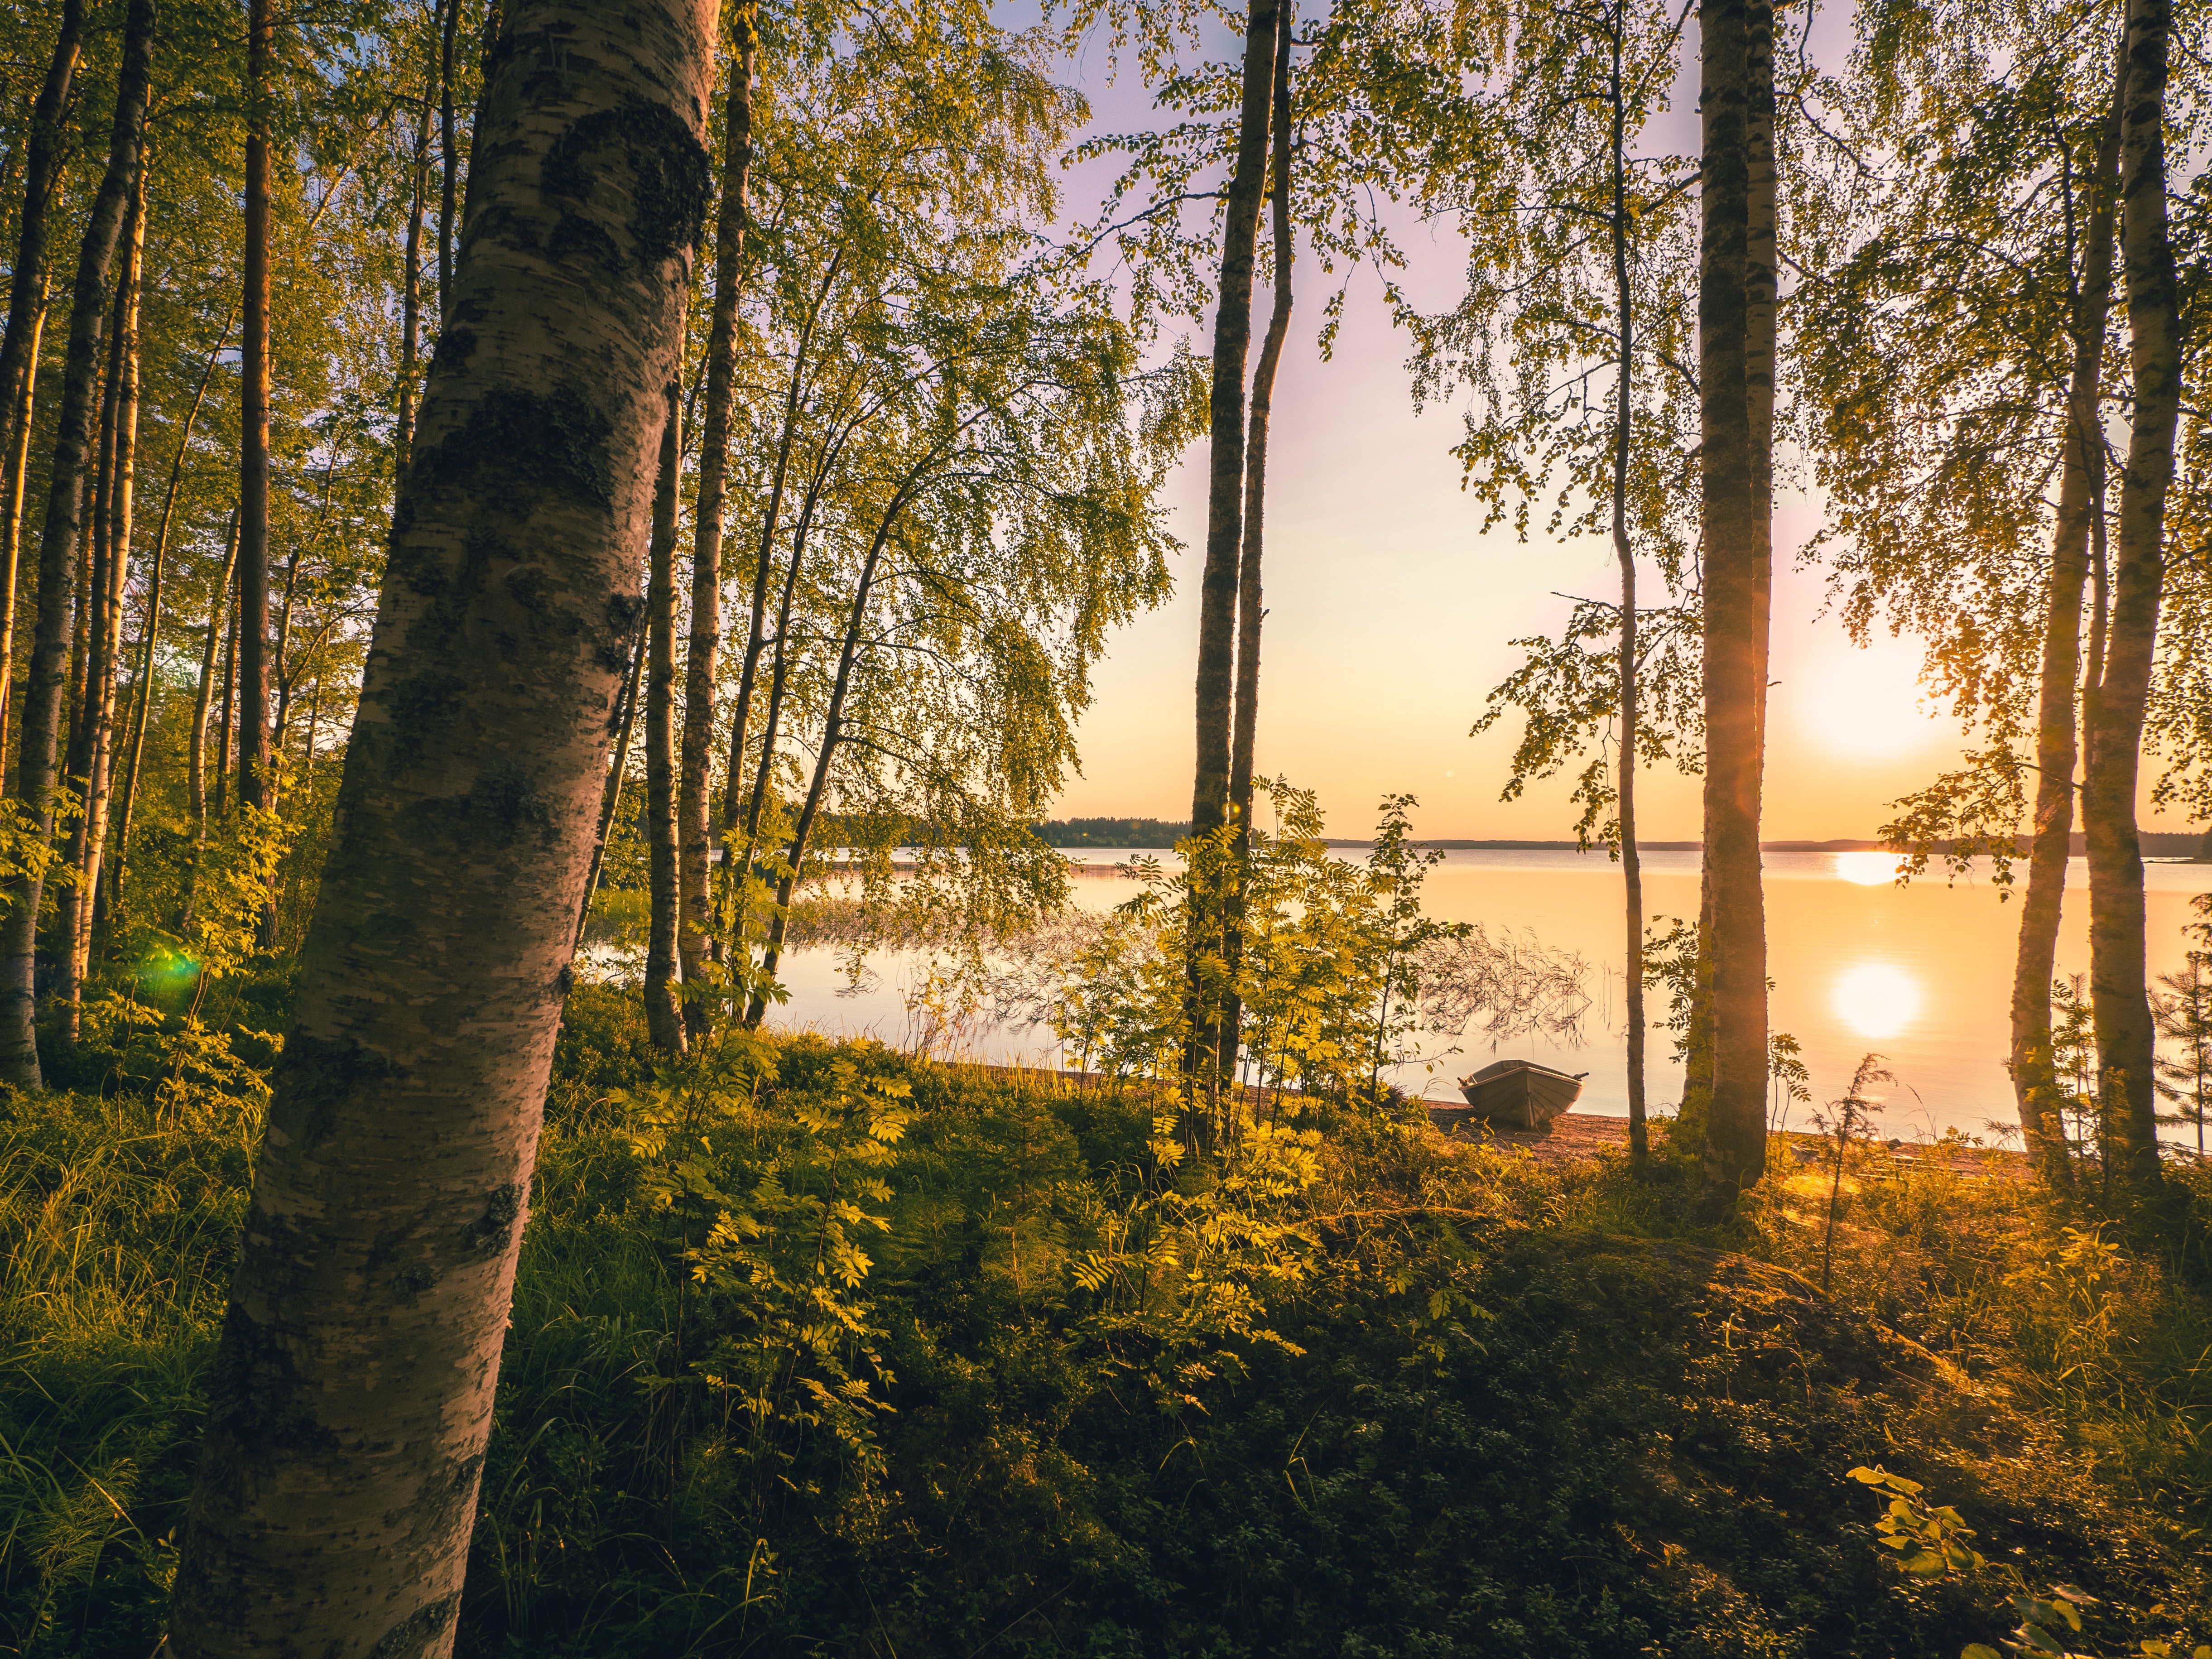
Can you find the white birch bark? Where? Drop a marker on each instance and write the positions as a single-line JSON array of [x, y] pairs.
[[351, 1398]]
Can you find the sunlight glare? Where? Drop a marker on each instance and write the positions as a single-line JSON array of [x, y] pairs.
[[1867, 869], [1877, 999], [1865, 705]]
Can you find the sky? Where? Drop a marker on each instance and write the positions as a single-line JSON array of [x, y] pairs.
[[1389, 613]]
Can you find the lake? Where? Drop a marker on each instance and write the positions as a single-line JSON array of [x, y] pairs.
[[1921, 973]]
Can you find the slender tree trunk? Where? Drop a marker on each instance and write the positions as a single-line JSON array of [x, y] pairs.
[[202, 702], [203, 698], [449, 158], [254, 783], [1216, 618], [45, 150], [1735, 937], [2035, 1079], [664, 1016], [351, 1397], [277, 658], [100, 706], [226, 736], [755, 638], [1760, 214], [694, 830], [771, 727], [1623, 415], [58, 539], [2127, 1039], [1250, 603], [13, 482], [91, 665], [817, 789], [625, 725], [155, 571], [410, 275]]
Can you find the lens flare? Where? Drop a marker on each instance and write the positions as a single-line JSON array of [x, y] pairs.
[[1877, 999]]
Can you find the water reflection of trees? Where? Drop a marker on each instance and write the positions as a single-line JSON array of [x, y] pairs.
[[1103, 984]]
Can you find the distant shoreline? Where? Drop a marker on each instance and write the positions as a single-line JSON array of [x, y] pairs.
[[2156, 844]]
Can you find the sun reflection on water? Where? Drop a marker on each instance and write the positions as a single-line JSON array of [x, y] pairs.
[[1877, 999], [1867, 869]]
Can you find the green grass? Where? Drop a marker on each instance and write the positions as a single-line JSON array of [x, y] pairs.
[[1462, 1405]]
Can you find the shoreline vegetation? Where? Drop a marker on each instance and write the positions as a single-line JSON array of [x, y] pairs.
[[816, 1347]]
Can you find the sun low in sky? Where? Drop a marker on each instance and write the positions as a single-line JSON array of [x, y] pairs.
[[1864, 705], [1867, 869]]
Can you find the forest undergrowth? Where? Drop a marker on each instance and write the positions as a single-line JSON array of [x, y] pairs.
[[819, 1348]]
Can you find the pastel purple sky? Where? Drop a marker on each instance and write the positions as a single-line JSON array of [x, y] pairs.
[[1388, 613]]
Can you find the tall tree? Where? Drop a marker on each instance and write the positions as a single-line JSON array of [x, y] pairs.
[[2127, 1037], [156, 570], [60, 538], [1573, 328], [351, 1397], [411, 269], [220, 612], [694, 832], [92, 657], [664, 1015], [45, 151], [1733, 934], [1250, 601], [254, 781], [2036, 1086], [112, 568], [449, 154], [1224, 501], [1620, 233]]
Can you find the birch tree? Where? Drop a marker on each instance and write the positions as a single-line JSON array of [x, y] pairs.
[[351, 1397]]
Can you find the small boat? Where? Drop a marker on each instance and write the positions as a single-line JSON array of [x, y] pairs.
[[1513, 1094]]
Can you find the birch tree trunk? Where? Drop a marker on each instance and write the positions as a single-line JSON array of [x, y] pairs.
[[832, 734], [1735, 938], [2127, 1040], [58, 542], [226, 733], [45, 150], [100, 703], [156, 569], [253, 781], [350, 1399], [14, 477], [202, 704], [624, 724], [2034, 1074], [1217, 613], [694, 831], [449, 157], [664, 1015], [780, 664], [1250, 603], [1632, 862], [756, 637], [91, 665], [411, 275]]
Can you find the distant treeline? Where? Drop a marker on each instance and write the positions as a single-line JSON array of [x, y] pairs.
[[1159, 832], [1112, 832]]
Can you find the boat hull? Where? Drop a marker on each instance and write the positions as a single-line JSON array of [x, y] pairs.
[[1513, 1094]]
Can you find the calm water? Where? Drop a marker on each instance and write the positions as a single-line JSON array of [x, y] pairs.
[[1922, 974]]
